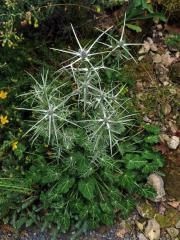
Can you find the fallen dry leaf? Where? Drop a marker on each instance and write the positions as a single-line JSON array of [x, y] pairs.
[[174, 204], [5, 228], [162, 147]]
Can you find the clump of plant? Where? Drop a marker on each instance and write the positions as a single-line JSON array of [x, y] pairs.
[[88, 158], [14, 15], [173, 41]]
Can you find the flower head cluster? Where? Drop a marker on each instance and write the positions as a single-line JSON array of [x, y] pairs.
[[101, 111], [49, 110], [82, 58], [121, 45]]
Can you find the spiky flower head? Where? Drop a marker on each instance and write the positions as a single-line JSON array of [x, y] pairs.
[[50, 110]]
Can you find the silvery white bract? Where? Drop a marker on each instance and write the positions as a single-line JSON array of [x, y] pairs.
[[49, 108], [102, 111]]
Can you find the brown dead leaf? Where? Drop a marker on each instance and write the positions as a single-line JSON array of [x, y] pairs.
[[5, 228], [174, 204], [122, 230], [162, 147]]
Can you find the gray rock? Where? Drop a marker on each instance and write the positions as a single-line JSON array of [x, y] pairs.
[[157, 183], [159, 26], [154, 48], [173, 232], [173, 142], [157, 58], [152, 231], [178, 224], [141, 236]]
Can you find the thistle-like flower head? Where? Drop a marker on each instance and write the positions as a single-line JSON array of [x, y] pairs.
[[120, 44], [83, 56], [106, 126], [50, 111]]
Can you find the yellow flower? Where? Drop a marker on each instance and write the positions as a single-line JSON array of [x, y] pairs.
[[36, 24], [3, 119], [14, 145], [3, 94]]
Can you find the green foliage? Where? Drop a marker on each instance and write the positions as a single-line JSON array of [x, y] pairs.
[[68, 193], [173, 41], [87, 187], [134, 27], [141, 9], [68, 183], [137, 9]]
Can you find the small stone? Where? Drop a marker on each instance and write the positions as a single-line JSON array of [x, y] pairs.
[[150, 40], [166, 59], [166, 109], [159, 26], [165, 83], [146, 210], [178, 224], [146, 119], [167, 237], [154, 48], [173, 232], [177, 54], [157, 58], [164, 137], [145, 48], [173, 127], [120, 233], [152, 231], [122, 230], [141, 236], [173, 142], [157, 183]]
